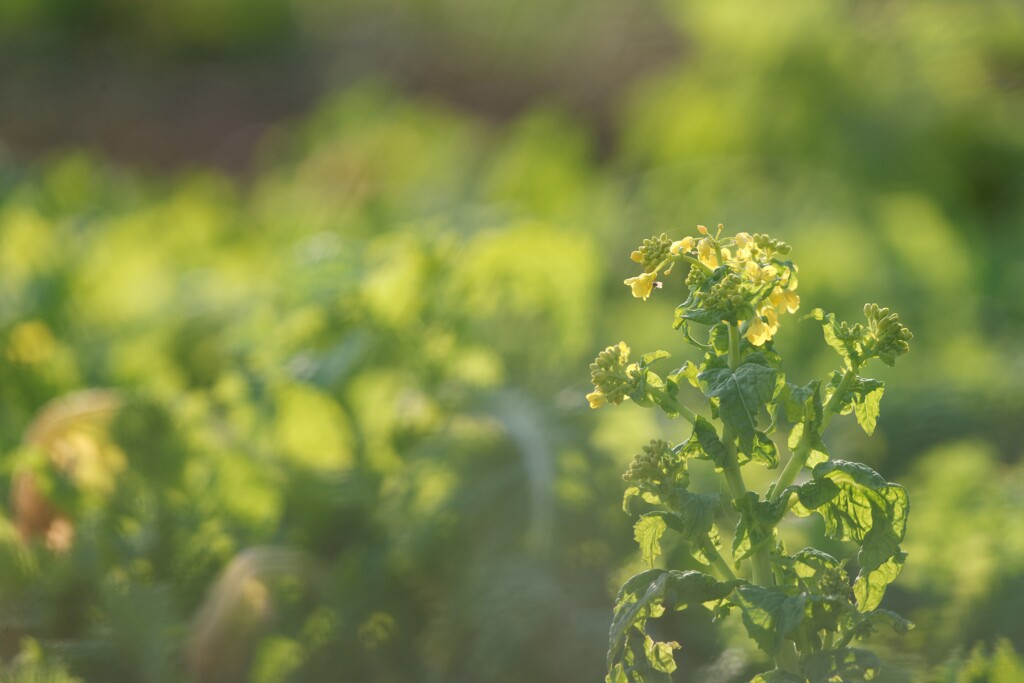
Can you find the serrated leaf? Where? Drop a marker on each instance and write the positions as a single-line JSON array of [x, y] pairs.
[[769, 614], [660, 655], [844, 665], [819, 451], [627, 497], [858, 504], [632, 655], [863, 624], [648, 532], [689, 372], [704, 444], [652, 356], [758, 519], [810, 562], [866, 408], [799, 402], [764, 450], [741, 395]]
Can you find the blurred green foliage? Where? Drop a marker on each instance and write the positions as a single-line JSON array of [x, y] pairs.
[[350, 438]]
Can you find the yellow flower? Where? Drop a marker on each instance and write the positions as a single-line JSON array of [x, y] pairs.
[[771, 319], [743, 240], [596, 399], [758, 332], [642, 285], [637, 256], [706, 253], [785, 299], [702, 230], [685, 244]]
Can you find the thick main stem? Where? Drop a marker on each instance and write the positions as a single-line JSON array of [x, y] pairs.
[[733, 476], [805, 445]]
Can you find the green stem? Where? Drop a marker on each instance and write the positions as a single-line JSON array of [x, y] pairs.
[[694, 262], [733, 476], [804, 446], [665, 398], [717, 561]]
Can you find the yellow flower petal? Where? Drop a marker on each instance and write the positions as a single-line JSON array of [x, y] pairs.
[[758, 332], [642, 285], [596, 399], [683, 245]]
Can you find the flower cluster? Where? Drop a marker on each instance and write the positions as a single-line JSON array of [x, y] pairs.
[[887, 336], [741, 279], [656, 465], [613, 376]]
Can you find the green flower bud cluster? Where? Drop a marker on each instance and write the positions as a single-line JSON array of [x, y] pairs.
[[657, 469], [769, 245], [696, 278], [726, 297], [835, 582], [613, 376], [653, 252], [891, 337]]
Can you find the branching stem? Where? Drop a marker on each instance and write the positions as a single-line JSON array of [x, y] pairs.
[[806, 443]]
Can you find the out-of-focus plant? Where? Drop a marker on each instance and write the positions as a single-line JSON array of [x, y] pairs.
[[799, 607]]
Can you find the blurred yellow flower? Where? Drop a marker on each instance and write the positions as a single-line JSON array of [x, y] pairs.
[[685, 244], [785, 299], [642, 285], [758, 332], [706, 253], [596, 399]]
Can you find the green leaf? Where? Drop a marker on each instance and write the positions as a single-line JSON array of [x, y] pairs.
[[742, 394], [866, 403], [863, 624], [632, 655], [758, 519], [647, 532], [660, 655], [764, 450], [769, 614], [858, 504], [799, 402], [689, 372], [777, 676], [819, 451], [693, 519], [809, 563], [704, 444], [849, 346], [652, 356], [845, 665]]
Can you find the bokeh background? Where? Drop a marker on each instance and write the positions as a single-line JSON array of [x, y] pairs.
[[297, 299]]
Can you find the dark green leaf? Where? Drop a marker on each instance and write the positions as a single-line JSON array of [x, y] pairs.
[[741, 394], [769, 615], [758, 519], [704, 444], [632, 655], [863, 624], [845, 665]]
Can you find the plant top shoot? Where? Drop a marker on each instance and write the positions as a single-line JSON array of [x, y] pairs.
[[801, 608]]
